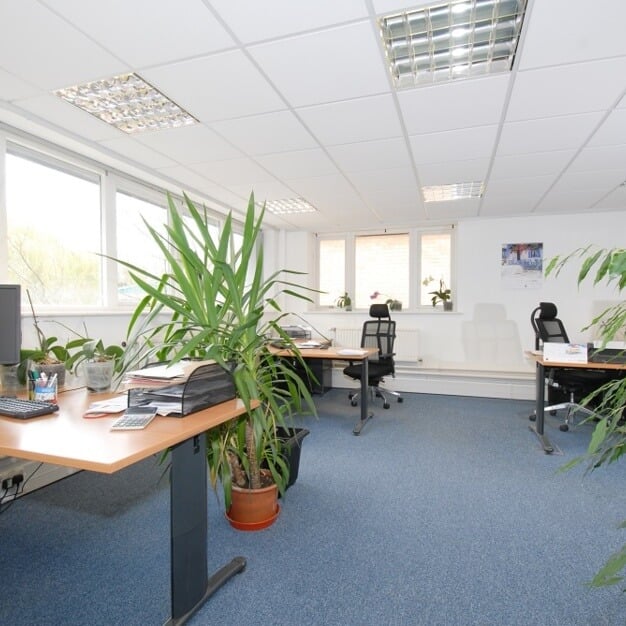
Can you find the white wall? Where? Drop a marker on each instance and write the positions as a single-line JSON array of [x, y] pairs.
[[478, 280]]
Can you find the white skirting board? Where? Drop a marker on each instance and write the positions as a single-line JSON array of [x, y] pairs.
[[514, 386]]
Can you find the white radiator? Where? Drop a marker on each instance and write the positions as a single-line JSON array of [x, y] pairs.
[[406, 345]]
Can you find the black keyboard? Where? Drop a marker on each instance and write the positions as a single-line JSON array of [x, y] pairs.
[[25, 409]]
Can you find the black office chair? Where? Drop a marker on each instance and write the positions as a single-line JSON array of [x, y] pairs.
[[379, 332], [574, 382]]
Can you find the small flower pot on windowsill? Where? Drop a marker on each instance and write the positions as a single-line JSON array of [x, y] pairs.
[[448, 305]]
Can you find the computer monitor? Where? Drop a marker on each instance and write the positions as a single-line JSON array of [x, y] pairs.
[[10, 324]]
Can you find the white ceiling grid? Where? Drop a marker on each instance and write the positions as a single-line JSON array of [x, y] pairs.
[[294, 99]]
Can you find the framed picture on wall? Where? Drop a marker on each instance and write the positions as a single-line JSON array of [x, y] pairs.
[[522, 265]]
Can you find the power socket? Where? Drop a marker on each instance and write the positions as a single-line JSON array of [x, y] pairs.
[[13, 481]]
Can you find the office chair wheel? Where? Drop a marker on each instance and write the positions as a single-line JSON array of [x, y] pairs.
[[386, 405], [552, 412], [532, 417], [564, 427], [353, 402], [400, 399]]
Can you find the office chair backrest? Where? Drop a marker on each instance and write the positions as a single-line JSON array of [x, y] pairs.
[[547, 326], [379, 332]]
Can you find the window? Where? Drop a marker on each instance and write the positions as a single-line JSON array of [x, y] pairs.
[[331, 270], [435, 263], [54, 233], [381, 269], [388, 266], [135, 244]]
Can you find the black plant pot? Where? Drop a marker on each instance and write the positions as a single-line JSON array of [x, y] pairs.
[[292, 442]]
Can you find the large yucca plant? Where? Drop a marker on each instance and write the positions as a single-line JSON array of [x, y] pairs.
[[213, 303], [608, 442]]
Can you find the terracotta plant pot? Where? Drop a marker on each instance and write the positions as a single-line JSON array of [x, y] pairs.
[[253, 509]]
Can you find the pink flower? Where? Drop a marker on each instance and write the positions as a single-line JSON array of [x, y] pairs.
[[375, 295]]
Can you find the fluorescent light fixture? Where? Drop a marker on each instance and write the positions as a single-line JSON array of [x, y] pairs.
[[289, 206], [127, 102], [427, 45], [455, 191]]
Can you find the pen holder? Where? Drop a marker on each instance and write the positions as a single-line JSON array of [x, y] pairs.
[[43, 389]]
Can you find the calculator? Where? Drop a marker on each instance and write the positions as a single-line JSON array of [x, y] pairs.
[[135, 418]]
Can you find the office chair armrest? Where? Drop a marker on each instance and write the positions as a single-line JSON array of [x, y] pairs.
[[386, 355]]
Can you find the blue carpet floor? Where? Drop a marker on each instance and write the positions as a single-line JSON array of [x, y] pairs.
[[445, 511]]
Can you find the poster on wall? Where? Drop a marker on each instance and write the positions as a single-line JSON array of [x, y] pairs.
[[522, 265]]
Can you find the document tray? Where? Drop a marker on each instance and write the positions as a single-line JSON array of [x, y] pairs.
[[206, 386]]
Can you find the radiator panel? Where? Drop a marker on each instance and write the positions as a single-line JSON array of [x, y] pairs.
[[406, 346]]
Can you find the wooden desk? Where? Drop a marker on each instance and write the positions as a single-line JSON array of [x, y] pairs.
[[335, 355], [540, 385], [66, 438]]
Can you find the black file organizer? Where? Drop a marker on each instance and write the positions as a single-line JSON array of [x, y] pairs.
[[206, 386]]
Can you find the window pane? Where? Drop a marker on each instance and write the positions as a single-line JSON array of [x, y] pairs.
[[382, 267], [332, 263], [54, 233], [135, 244], [435, 263]]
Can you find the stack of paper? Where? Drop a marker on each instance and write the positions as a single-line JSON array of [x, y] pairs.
[[565, 352]]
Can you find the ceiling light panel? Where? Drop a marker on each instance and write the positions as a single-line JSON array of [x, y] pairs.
[[449, 41], [289, 206], [127, 102], [455, 191]]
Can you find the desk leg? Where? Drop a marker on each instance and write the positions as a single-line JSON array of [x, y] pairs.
[[190, 585], [366, 416], [537, 427]]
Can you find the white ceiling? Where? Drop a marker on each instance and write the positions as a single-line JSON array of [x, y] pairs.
[[294, 99]]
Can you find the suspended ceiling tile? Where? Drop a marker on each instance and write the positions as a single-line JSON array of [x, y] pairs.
[[547, 135], [452, 209], [454, 145], [370, 155], [14, 88], [350, 121], [533, 164], [453, 171], [300, 164], [567, 90], [385, 180], [600, 157], [562, 31], [325, 66], [603, 179], [130, 148], [252, 20], [167, 31], [280, 131], [612, 131], [444, 107], [198, 85], [569, 201], [68, 117], [233, 172], [189, 144], [616, 199], [43, 49]]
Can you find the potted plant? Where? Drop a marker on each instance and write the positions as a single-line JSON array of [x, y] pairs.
[[443, 294], [608, 442], [344, 302], [392, 303], [49, 356], [97, 361], [211, 304]]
